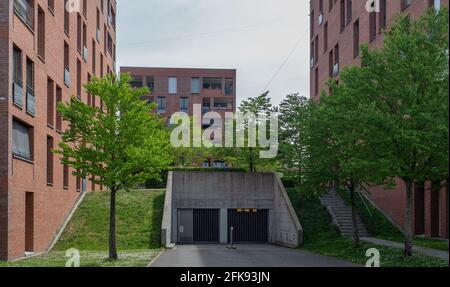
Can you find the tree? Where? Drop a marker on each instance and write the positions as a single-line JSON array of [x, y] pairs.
[[249, 156], [120, 145], [406, 85], [294, 115]]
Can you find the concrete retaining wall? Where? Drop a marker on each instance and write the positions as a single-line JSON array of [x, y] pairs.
[[231, 190]]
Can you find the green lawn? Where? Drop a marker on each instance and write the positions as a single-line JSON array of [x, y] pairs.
[[321, 237], [139, 216]]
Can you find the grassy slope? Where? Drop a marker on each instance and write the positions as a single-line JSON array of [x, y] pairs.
[[322, 237], [380, 227], [139, 215]]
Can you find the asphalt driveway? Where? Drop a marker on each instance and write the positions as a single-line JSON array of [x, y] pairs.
[[243, 256]]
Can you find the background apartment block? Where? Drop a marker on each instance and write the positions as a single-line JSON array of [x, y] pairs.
[[47, 53], [178, 89], [338, 28]]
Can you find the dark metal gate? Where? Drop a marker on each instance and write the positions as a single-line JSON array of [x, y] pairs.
[[206, 225], [249, 225]]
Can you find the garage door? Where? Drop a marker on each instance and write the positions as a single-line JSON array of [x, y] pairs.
[[198, 225], [249, 225]]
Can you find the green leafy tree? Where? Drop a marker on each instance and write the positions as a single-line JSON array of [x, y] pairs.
[[249, 157], [405, 84], [294, 112], [120, 145]]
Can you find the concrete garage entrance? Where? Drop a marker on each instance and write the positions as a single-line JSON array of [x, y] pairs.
[[249, 225], [202, 207], [198, 226]]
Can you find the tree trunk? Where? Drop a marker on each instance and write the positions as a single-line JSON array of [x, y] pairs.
[[252, 166], [356, 242], [408, 218], [112, 226]]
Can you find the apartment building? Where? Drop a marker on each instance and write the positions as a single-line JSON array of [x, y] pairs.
[[48, 50], [178, 89], [338, 28]]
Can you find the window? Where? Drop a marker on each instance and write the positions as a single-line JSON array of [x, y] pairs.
[[336, 60], [342, 15], [325, 38], [330, 5], [31, 101], [79, 33], [85, 50], [229, 83], [136, 82], [51, 5], [349, 12], [85, 8], [331, 63], [316, 50], [66, 18], [383, 15], [161, 102], [41, 33], [50, 102], [58, 115], [101, 66], [94, 57], [173, 85], [66, 65], [372, 26], [316, 81], [22, 140], [435, 3], [195, 85], [311, 51], [184, 105], [110, 45], [405, 4], [79, 79], [25, 10], [78, 182], [17, 77], [65, 176], [356, 39], [212, 83], [312, 23], [50, 160], [150, 83], [97, 34]]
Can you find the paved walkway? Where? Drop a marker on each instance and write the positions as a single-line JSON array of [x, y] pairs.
[[423, 250], [243, 256]]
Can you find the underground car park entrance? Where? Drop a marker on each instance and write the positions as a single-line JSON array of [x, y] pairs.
[[223, 207]]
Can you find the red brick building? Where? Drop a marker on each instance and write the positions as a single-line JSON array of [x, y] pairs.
[[338, 28], [177, 89], [47, 53]]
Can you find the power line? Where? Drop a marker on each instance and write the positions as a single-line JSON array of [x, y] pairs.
[[285, 61], [209, 32]]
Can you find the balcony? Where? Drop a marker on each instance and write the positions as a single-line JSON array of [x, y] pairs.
[[31, 101], [66, 77], [18, 92], [25, 11]]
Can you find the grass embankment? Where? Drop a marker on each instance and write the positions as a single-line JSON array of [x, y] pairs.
[[139, 215], [322, 237], [380, 227]]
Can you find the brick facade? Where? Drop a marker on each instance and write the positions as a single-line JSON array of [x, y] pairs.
[[333, 32], [49, 201]]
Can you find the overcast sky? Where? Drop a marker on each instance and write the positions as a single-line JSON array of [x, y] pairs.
[[255, 37]]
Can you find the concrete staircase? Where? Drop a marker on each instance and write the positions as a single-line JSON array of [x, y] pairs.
[[342, 215]]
